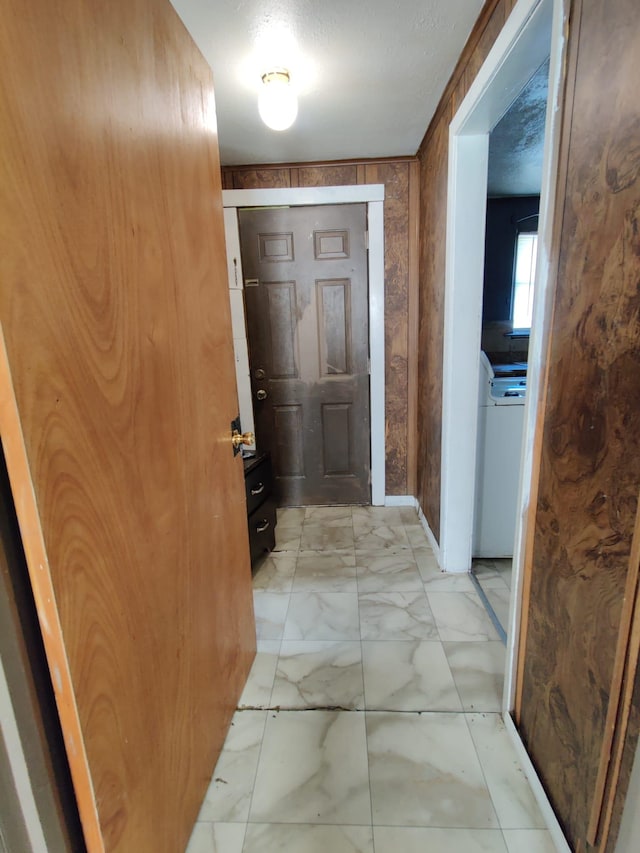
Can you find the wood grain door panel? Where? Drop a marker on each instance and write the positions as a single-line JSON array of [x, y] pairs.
[[306, 297], [117, 396]]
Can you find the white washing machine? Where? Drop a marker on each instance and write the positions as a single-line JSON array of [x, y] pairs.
[[500, 428]]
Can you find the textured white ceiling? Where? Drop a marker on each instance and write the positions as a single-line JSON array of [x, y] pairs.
[[369, 74]]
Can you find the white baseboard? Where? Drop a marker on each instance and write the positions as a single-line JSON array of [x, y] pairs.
[[425, 526], [557, 835], [399, 500]]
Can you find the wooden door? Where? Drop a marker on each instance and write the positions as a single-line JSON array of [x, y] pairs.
[[306, 296], [117, 391]]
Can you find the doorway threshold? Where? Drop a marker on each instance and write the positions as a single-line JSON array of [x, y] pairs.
[[487, 606]]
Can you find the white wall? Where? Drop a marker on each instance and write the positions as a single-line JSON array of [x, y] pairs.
[[236, 297], [629, 837]]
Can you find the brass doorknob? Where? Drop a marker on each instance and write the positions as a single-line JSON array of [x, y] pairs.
[[261, 394], [240, 438]]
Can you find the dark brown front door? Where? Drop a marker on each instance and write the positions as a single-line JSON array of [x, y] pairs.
[[306, 295]]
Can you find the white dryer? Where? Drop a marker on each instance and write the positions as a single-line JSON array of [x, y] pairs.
[[500, 429]]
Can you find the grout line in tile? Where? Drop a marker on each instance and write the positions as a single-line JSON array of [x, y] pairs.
[[364, 686], [435, 621], [246, 826], [484, 714], [453, 678], [366, 745], [284, 625], [273, 683], [504, 838], [364, 697], [255, 778], [343, 709]]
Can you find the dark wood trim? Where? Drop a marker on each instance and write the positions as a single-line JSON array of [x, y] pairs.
[[620, 698], [372, 161]]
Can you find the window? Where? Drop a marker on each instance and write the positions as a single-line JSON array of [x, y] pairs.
[[524, 277]]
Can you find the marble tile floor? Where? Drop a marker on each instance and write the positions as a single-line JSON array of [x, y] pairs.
[[494, 576], [370, 721]]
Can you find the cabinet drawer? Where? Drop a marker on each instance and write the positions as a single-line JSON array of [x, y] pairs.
[[262, 525], [258, 484]]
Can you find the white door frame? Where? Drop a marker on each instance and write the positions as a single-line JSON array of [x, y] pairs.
[[373, 196], [520, 48]]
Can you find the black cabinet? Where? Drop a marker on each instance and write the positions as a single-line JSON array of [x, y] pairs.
[[261, 506]]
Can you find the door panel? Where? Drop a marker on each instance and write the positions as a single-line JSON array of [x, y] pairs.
[[336, 430], [334, 326], [306, 298], [288, 431], [283, 337], [116, 398]]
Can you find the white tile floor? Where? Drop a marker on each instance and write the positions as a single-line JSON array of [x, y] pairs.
[[494, 576], [370, 721]]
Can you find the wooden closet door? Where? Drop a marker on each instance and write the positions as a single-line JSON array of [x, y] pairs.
[[117, 391]]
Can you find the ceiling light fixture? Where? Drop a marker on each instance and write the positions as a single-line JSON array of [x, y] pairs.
[[277, 103]]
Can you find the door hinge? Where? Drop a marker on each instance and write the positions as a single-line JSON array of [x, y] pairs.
[[366, 239], [369, 366]]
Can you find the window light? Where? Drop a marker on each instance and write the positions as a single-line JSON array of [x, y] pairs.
[[523, 283]]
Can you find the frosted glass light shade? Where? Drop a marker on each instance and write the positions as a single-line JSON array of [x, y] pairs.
[[277, 102]]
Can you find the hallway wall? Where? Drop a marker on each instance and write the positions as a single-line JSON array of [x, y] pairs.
[[400, 178], [588, 455], [433, 155]]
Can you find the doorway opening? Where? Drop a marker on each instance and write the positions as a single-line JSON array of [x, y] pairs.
[[516, 149], [535, 30], [373, 196], [305, 282]]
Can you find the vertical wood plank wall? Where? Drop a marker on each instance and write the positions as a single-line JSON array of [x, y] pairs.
[[433, 155], [590, 468], [590, 460], [115, 311], [400, 177]]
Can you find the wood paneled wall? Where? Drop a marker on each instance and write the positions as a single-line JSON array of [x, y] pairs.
[[589, 476], [433, 156], [589, 470], [117, 390], [400, 177]]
